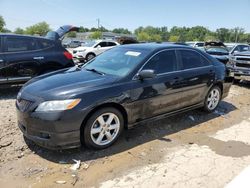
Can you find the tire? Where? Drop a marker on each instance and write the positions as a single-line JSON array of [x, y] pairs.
[[90, 56], [212, 99], [237, 81], [98, 133]]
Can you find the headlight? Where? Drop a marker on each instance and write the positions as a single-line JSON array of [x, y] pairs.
[[80, 50], [57, 105]]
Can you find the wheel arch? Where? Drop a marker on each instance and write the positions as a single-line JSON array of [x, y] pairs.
[[105, 105]]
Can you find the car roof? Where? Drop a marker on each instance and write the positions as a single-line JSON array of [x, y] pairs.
[[20, 35], [154, 46]]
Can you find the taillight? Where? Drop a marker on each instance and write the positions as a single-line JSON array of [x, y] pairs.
[[68, 55]]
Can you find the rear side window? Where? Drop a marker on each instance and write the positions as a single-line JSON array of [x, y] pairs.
[[111, 44], [45, 43], [19, 44], [191, 59], [163, 62]]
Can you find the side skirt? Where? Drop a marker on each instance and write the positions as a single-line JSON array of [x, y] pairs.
[[162, 116]]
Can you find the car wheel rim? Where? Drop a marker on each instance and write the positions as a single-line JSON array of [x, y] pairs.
[[105, 129], [90, 57], [213, 99]]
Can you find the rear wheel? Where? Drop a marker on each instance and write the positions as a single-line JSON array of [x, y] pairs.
[[212, 99], [103, 128]]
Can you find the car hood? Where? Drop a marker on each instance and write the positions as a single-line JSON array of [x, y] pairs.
[[66, 83]]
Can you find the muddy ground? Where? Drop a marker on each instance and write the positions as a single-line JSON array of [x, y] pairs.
[[193, 149]]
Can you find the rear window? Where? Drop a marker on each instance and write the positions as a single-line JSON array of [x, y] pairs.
[[191, 59], [19, 44], [45, 44]]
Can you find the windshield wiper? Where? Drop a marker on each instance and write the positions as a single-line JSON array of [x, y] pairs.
[[96, 71]]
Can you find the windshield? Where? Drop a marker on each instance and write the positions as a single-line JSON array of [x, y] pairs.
[[118, 61], [217, 50]]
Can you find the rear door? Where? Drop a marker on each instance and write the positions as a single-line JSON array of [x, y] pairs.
[[22, 58], [197, 76]]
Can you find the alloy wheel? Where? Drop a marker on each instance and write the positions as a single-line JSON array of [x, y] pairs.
[[213, 99], [105, 129]]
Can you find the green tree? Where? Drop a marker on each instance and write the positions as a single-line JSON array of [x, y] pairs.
[[72, 34], [2, 23], [96, 35], [83, 29], [174, 38], [19, 31], [41, 29], [121, 31], [143, 36]]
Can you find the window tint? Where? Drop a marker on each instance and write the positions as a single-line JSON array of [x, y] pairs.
[[163, 62], [191, 59], [242, 48], [45, 44], [102, 44], [111, 44], [18, 44]]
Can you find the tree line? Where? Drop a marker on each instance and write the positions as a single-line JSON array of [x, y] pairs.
[[149, 33]]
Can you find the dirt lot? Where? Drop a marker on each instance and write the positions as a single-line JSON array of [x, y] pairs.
[[192, 149]]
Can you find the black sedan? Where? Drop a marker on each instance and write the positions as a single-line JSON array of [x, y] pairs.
[[122, 87]]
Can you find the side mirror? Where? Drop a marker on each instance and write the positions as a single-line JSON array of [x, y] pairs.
[[144, 74], [98, 46]]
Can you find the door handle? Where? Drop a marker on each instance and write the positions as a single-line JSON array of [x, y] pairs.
[[38, 58]]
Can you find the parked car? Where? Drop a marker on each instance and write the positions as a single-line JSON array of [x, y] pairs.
[[23, 57], [218, 50], [92, 49], [237, 47], [120, 88], [73, 44], [195, 44], [239, 63]]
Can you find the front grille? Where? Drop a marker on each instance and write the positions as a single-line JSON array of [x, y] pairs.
[[243, 59], [24, 105], [245, 65]]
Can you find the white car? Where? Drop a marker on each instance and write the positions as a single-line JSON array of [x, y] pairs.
[[195, 44], [92, 49]]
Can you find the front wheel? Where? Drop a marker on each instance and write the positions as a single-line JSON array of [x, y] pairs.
[[90, 56], [212, 99], [103, 128]]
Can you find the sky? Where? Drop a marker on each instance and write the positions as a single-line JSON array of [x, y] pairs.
[[130, 14]]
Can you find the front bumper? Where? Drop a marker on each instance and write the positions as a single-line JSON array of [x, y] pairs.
[[240, 73], [57, 130]]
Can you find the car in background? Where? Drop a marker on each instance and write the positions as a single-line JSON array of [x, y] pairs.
[[195, 44], [239, 64], [217, 50], [73, 44], [93, 48], [237, 47], [120, 88], [23, 57]]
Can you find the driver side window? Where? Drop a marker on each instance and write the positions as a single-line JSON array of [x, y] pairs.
[[101, 44], [163, 62]]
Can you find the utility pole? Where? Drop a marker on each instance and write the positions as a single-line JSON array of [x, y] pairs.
[[98, 23]]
